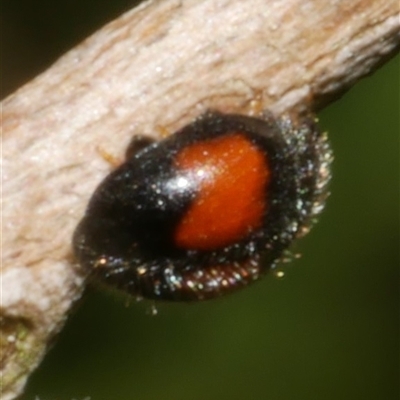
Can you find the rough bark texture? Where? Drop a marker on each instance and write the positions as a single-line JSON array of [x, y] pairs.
[[160, 65]]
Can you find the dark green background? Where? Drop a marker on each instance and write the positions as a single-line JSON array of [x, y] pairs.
[[328, 330]]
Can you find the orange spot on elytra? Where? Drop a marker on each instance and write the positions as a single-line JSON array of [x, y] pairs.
[[232, 176]]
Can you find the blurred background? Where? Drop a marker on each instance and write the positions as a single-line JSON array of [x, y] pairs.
[[328, 330]]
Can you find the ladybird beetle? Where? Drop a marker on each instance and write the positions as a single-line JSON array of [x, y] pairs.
[[207, 210]]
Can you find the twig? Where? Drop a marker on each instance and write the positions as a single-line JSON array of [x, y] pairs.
[[161, 64]]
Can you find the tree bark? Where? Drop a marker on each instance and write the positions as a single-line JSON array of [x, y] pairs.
[[159, 65]]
